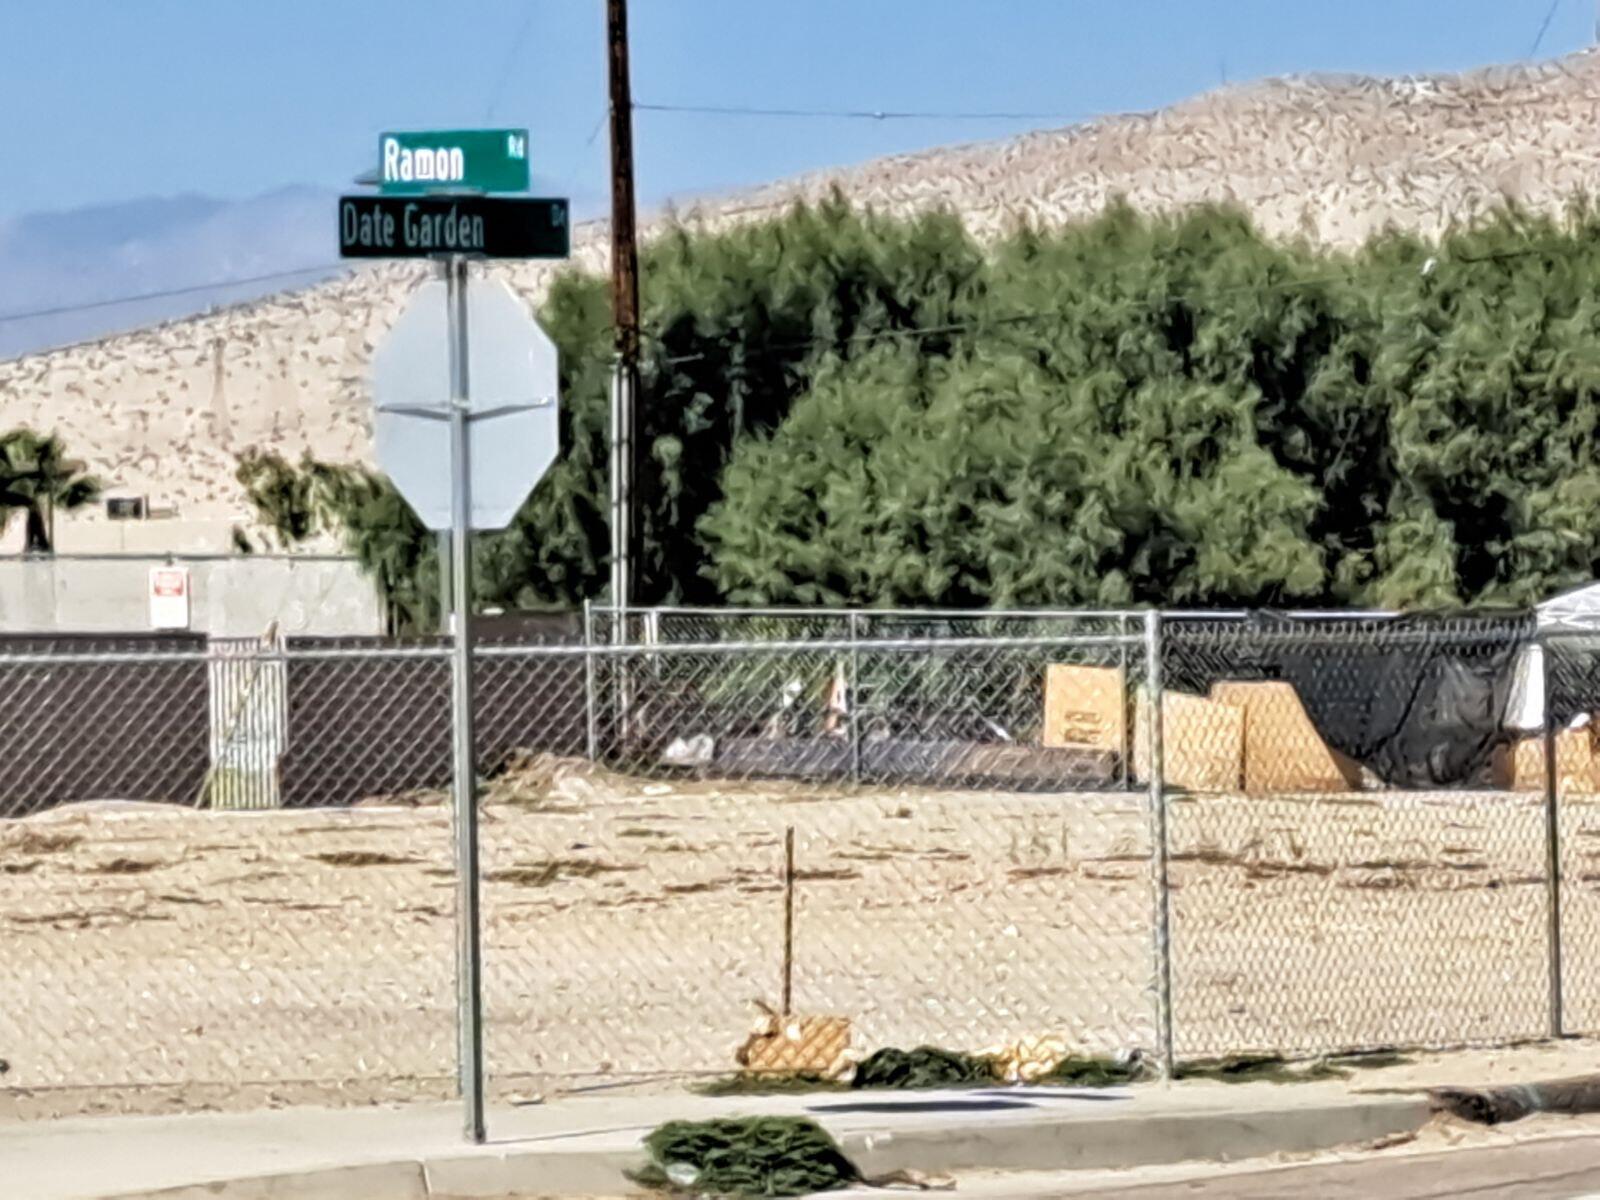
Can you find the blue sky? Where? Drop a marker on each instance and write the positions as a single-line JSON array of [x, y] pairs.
[[156, 145], [110, 100]]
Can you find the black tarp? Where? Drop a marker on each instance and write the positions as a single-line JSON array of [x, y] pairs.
[[1572, 675], [379, 724], [1419, 700], [101, 717]]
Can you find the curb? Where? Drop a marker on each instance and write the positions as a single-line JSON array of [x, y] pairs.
[[377, 1181], [1047, 1141], [1142, 1140], [521, 1172], [462, 1177]]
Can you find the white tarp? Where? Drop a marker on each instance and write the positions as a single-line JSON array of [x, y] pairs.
[[1577, 610], [1525, 705]]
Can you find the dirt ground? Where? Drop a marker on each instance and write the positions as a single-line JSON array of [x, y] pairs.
[[159, 957]]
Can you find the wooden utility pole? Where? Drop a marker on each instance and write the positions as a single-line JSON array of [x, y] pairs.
[[624, 238], [625, 464]]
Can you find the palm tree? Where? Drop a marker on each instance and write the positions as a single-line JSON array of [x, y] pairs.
[[37, 476]]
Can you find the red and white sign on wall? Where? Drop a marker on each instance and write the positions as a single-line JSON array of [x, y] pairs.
[[169, 598]]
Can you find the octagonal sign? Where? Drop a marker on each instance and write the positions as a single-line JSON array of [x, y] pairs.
[[512, 421]]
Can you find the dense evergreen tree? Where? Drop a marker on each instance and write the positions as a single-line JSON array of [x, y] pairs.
[[848, 408]]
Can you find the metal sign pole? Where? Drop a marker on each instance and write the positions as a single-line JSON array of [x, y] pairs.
[[469, 998], [444, 214], [622, 539], [1552, 839], [1156, 716], [621, 493], [446, 602]]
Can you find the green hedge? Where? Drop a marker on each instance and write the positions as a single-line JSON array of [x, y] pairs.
[[847, 408]]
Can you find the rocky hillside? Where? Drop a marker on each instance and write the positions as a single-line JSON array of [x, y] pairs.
[[163, 412]]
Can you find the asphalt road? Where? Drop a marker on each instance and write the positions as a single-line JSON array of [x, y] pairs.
[[1547, 1169]]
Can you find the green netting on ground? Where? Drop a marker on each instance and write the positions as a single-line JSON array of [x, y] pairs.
[[749, 1156], [1096, 1072], [924, 1067], [1275, 1068]]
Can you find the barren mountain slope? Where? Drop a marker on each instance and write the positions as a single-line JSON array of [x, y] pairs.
[[164, 411]]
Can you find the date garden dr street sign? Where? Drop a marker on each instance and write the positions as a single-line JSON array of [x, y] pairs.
[[430, 226], [481, 160]]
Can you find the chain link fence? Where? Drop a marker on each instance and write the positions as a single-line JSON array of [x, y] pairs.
[[168, 943], [229, 869], [1569, 664], [1353, 864], [960, 877]]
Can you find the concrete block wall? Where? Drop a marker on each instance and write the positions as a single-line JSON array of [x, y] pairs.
[[229, 597]]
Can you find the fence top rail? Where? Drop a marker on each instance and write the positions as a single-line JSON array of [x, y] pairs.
[[134, 557], [565, 650], [1196, 639], [941, 614], [826, 645], [1051, 614], [35, 658], [981, 614]]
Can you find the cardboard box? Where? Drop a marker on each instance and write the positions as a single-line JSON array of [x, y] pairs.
[[1085, 706], [1283, 752], [1029, 1058], [1202, 742], [1521, 767], [796, 1045]]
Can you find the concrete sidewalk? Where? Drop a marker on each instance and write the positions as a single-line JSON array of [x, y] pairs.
[[585, 1146], [1554, 1166]]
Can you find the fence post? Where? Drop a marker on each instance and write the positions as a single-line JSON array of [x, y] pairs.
[[788, 922], [620, 687], [1125, 766], [442, 548], [853, 701], [590, 733], [1158, 843], [1552, 842]]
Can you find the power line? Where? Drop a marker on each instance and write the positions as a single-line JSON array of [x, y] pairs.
[[862, 114], [1544, 27], [923, 331], [1036, 315], [512, 54], [1549, 16], [988, 322], [115, 301]]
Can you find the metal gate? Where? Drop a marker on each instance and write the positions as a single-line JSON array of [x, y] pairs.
[[248, 722]]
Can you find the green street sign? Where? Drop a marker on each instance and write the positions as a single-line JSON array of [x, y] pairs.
[[482, 160], [434, 226]]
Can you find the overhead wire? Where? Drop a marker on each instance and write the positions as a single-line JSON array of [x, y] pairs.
[[688, 109], [167, 293], [1043, 315], [510, 61], [858, 114], [320, 268], [1549, 16], [986, 322], [272, 276]]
